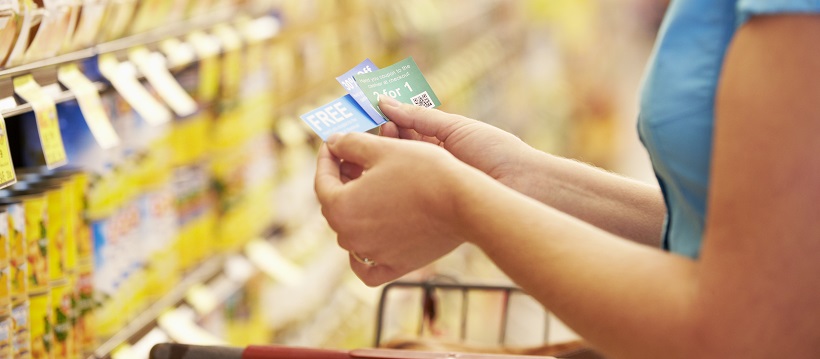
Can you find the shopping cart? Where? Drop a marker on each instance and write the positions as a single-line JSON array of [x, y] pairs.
[[501, 310], [432, 295]]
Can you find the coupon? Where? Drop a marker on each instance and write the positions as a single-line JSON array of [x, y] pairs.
[[341, 115], [350, 85], [358, 111], [402, 81]]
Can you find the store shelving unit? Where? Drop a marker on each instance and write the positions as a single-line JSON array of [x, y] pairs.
[[462, 48]]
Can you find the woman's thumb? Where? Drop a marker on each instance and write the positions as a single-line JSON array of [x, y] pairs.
[[359, 148], [425, 121]]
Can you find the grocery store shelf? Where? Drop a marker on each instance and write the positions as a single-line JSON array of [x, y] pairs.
[[45, 70], [148, 317]]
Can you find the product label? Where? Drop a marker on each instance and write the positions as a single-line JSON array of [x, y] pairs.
[[5, 336], [402, 81], [22, 334], [48, 126], [349, 83], [90, 105], [17, 253], [7, 175], [342, 115]]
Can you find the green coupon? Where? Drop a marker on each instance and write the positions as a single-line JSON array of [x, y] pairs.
[[402, 81]]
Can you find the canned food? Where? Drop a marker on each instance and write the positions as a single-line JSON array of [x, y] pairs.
[[18, 268], [21, 337], [5, 337], [35, 235], [86, 338], [76, 182], [57, 195], [62, 314], [42, 339]]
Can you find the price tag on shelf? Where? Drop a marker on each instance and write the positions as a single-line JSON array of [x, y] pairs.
[[7, 175], [90, 105], [402, 81], [155, 69], [123, 76], [124, 351], [88, 25], [269, 261], [207, 50], [177, 52], [181, 328], [142, 348], [201, 298], [48, 126], [231, 44]]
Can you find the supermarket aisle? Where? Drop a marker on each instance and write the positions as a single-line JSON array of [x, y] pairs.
[[157, 184]]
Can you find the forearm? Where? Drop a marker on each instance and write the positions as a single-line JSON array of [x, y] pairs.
[[625, 298], [619, 205]]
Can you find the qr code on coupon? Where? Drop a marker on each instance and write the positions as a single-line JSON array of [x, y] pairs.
[[423, 100]]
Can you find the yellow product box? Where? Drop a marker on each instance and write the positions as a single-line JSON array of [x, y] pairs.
[[5, 280], [40, 321], [21, 338], [36, 207], [190, 139], [86, 341], [62, 313], [6, 349], [74, 185], [58, 194]]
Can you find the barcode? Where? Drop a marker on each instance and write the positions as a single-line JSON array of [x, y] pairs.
[[423, 100]]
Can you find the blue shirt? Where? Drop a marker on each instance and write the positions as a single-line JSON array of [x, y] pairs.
[[678, 102]]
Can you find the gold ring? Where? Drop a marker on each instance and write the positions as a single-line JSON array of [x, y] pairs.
[[363, 260]]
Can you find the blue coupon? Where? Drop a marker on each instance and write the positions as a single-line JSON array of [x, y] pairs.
[[350, 85], [341, 115]]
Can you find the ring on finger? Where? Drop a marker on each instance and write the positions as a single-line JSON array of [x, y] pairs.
[[362, 259]]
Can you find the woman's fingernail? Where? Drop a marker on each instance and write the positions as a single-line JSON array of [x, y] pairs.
[[385, 100]]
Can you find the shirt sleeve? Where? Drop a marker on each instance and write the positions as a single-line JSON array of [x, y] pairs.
[[748, 8]]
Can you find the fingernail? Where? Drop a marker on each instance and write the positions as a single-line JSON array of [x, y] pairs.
[[388, 101], [333, 138]]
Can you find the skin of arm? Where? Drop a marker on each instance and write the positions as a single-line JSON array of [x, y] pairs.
[[617, 204], [753, 292]]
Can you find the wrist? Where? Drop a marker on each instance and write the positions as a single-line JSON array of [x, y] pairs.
[[471, 203]]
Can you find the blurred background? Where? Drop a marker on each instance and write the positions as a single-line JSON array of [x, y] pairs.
[[164, 180]]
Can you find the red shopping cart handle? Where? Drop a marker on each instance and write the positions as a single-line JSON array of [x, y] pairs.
[[411, 354], [184, 351], [283, 352]]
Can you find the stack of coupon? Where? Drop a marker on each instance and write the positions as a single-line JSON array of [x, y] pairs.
[[358, 111]]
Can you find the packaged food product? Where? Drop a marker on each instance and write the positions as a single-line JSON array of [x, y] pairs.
[[5, 280], [62, 314], [21, 337], [36, 240], [41, 322]]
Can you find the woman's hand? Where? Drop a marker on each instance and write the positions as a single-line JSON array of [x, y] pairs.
[[491, 150], [389, 201]]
